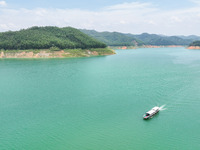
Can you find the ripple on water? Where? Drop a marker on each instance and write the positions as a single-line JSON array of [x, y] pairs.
[[98, 103]]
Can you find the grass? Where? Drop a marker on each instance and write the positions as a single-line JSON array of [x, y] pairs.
[[103, 51]]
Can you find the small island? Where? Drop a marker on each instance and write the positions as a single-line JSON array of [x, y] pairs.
[[194, 45], [50, 42]]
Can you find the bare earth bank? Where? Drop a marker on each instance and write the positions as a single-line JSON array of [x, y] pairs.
[[194, 47], [55, 54]]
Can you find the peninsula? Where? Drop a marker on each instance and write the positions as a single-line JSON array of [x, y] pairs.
[[194, 45], [50, 42]]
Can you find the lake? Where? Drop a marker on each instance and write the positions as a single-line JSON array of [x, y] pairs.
[[97, 103]]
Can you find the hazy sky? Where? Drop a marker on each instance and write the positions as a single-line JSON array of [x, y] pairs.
[[177, 17]]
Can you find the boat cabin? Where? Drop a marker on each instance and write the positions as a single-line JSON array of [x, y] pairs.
[[151, 112]]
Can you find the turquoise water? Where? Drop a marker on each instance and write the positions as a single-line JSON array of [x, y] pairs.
[[98, 103]]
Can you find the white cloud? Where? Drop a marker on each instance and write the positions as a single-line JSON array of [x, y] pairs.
[[175, 19], [130, 6], [132, 17], [196, 1], [3, 3]]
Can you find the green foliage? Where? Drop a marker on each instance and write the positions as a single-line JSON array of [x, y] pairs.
[[114, 38], [121, 39], [54, 48], [103, 51], [53, 38], [195, 43], [86, 53], [154, 39]]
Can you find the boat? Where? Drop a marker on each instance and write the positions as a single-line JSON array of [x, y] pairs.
[[151, 112]]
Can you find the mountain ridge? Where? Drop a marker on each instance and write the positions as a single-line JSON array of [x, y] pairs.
[[140, 39], [46, 38]]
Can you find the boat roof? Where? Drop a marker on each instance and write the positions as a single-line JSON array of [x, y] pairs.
[[155, 108], [152, 110]]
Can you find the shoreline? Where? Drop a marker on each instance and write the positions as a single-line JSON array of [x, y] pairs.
[[144, 46], [194, 47], [67, 53]]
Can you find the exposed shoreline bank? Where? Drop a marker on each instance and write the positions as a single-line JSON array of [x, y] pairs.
[[68, 53], [144, 46], [194, 47]]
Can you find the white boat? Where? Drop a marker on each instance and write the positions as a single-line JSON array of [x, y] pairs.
[[151, 112]]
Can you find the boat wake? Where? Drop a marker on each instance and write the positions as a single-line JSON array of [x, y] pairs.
[[161, 108]]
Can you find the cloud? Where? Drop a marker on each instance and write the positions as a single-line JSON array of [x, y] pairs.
[[135, 17], [3, 3], [196, 1], [132, 5]]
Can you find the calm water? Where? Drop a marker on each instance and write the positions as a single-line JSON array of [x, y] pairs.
[[98, 103]]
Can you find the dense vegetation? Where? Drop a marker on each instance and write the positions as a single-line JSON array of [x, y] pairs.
[[153, 39], [47, 38], [190, 37], [121, 39], [195, 43], [55, 38], [114, 38]]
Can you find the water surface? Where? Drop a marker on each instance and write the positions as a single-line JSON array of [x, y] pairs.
[[97, 103]]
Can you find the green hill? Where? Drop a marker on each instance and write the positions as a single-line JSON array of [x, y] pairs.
[[121, 39], [190, 37], [195, 43], [154, 39], [46, 38], [113, 38]]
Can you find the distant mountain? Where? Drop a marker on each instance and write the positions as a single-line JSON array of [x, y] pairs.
[[154, 39], [114, 38], [46, 38], [194, 37], [122, 39]]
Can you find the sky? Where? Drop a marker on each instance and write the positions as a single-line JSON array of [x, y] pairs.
[[166, 17]]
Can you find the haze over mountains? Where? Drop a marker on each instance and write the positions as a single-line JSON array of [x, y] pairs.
[[123, 39]]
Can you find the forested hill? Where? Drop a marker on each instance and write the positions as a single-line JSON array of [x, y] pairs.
[[46, 38], [113, 38], [121, 39], [154, 39], [195, 43]]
